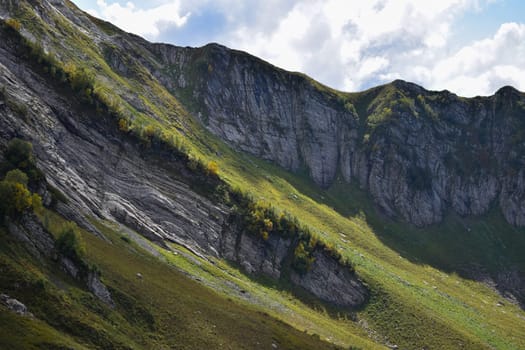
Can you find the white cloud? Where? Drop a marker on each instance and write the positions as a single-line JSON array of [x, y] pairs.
[[348, 44], [148, 23], [484, 66], [354, 44]]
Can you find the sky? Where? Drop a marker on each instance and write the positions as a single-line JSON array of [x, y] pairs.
[[470, 47]]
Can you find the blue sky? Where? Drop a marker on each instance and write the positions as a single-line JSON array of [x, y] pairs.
[[471, 47]]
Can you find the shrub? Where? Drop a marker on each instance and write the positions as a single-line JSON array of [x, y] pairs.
[[302, 258], [69, 243], [212, 168], [13, 24], [80, 79], [19, 155], [17, 175], [379, 117], [16, 199], [123, 125]]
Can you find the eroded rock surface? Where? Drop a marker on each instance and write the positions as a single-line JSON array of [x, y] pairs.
[[429, 153], [106, 175]]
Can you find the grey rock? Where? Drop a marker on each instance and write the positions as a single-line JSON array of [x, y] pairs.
[[470, 150], [99, 289], [14, 305], [30, 232], [105, 176], [69, 266], [330, 281], [326, 279]]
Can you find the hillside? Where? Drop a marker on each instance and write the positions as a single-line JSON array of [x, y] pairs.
[[222, 202]]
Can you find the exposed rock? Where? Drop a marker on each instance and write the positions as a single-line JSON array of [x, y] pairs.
[[326, 279], [432, 154], [15, 305], [99, 289], [330, 281], [30, 232], [69, 266], [435, 151]]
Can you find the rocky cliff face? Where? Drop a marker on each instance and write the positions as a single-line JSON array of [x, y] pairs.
[[419, 153], [108, 176], [326, 278]]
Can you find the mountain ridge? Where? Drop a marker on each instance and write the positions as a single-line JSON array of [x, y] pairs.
[[235, 104], [112, 163]]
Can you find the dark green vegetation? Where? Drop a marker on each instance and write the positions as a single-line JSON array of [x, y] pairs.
[[18, 171], [417, 301]]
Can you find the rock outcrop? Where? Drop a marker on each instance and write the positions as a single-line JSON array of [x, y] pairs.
[[418, 153], [15, 305], [326, 278], [105, 174]]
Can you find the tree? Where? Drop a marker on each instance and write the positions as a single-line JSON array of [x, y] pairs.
[[16, 199], [17, 176], [19, 155]]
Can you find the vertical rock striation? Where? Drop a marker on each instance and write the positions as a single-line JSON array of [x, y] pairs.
[[419, 153]]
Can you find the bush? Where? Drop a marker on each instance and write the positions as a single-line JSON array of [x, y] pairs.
[[302, 258], [13, 24], [123, 125], [16, 199], [17, 175], [19, 155], [69, 243], [80, 79], [212, 168]]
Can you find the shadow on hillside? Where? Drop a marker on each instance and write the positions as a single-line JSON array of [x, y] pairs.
[[485, 248]]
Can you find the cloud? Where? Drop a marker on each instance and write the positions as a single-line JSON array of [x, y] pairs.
[[487, 63], [145, 22], [362, 43], [346, 44]]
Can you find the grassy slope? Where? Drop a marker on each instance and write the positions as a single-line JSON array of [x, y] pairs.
[[165, 309], [413, 304], [410, 299]]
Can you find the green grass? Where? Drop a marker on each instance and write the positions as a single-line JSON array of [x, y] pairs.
[[269, 297], [164, 309]]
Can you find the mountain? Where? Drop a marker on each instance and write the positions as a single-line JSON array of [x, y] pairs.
[[418, 153], [201, 197]]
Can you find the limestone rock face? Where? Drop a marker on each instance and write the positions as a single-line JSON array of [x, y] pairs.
[[326, 279], [330, 281], [418, 153], [105, 175]]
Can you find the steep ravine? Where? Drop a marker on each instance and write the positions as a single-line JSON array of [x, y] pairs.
[[105, 175], [418, 153]]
